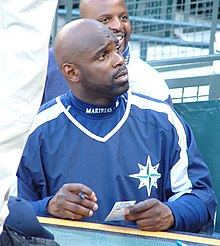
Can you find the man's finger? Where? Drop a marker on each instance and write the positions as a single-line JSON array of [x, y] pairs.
[[78, 188], [142, 206]]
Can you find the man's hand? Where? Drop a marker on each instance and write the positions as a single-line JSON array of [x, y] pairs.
[[69, 204], [151, 215]]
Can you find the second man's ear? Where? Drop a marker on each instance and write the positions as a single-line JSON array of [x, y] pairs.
[[71, 72]]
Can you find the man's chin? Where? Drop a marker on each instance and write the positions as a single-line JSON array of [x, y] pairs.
[[122, 89]]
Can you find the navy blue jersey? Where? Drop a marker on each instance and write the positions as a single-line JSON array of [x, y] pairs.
[[133, 149]]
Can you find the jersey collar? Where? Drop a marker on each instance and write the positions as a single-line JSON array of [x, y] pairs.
[[91, 110]]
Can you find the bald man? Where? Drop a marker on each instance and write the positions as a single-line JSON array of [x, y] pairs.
[[100, 144], [143, 78]]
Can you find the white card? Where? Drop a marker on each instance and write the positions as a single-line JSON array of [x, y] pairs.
[[118, 211]]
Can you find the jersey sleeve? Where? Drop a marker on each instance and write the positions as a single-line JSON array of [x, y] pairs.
[[190, 214], [193, 202], [30, 177]]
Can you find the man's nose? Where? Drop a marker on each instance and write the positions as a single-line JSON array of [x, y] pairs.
[[116, 24], [119, 60]]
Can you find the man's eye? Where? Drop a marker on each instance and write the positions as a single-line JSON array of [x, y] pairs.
[[105, 20], [124, 17], [103, 57]]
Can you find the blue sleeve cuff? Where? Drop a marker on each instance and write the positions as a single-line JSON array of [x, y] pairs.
[[40, 206], [190, 214]]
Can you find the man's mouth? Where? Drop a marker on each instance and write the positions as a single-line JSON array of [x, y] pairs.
[[122, 76], [120, 38]]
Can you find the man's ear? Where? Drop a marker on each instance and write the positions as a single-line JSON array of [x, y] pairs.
[[71, 72]]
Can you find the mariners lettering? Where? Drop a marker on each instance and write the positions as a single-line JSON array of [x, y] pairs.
[[98, 110]]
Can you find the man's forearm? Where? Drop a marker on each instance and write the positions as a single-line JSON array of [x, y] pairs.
[[190, 213]]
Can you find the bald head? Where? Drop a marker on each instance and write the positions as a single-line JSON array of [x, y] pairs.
[[88, 6], [77, 38]]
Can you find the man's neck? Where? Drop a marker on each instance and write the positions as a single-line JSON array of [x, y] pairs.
[[93, 109]]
